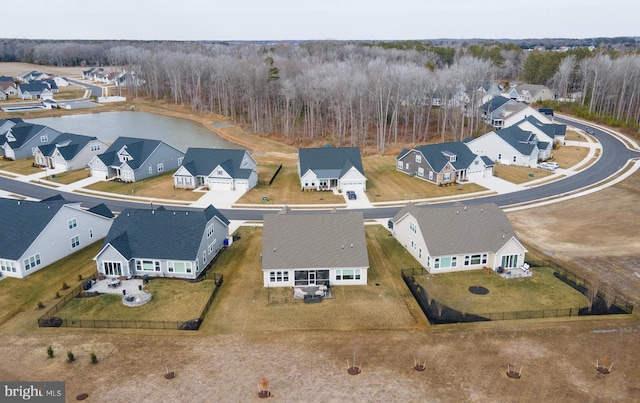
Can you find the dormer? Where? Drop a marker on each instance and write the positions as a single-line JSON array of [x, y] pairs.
[[10, 136], [123, 155], [451, 157]]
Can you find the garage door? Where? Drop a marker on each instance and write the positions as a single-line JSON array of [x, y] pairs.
[[352, 185], [99, 173], [220, 184], [474, 175], [61, 165]]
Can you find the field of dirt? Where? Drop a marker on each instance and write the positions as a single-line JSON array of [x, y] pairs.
[[596, 235]]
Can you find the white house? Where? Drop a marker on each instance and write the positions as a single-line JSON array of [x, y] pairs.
[[214, 168], [456, 238], [327, 168], [511, 146]]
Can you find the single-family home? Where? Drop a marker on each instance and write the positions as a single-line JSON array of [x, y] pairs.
[[131, 159], [8, 86], [307, 249], [549, 132], [35, 234], [88, 74], [444, 163], [216, 168], [21, 140], [511, 146], [459, 237], [328, 168], [491, 112], [32, 75], [34, 90], [162, 243], [487, 91], [530, 93], [60, 81], [69, 151], [513, 114]]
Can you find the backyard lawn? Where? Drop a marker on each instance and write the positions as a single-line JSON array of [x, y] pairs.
[[542, 291], [172, 300], [159, 187]]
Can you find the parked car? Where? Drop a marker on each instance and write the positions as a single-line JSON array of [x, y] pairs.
[[549, 166], [588, 130], [351, 195]]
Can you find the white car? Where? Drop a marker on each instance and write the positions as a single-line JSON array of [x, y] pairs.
[[549, 166]]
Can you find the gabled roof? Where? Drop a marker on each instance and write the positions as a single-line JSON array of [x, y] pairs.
[[22, 222], [139, 149], [68, 144], [522, 140], [23, 132], [337, 240], [202, 162], [34, 87], [103, 210], [459, 229], [6, 79], [161, 233], [437, 155], [494, 103], [335, 160], [550, 129]]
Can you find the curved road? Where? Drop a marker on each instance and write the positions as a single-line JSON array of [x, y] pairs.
[[613, 157]]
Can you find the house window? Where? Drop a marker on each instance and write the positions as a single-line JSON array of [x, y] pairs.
[[445, 262], [179, 267], [418, 158], [428, 261], [210, 230], [446, 177], [509, 261], [348, 274], [44, 138], [219, 172], [399, 164], [430, 175], [204, 257], [278, 276], [476, 162], [413, 245], [90, 233], [7, 265], [515, 158], [413, 227], [72, 223], [161, 167], [180, 159], [420, 253], [150, 170], [475, 259], [75, 241], [32, 261], [421, 171], [95, 147], [147, 265], [499, 157]]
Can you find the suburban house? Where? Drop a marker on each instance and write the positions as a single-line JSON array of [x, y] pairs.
[[7, 86], [511, 146], [216, 168], [132, 159], [31, 76], [487, 91], [457, 238], [492, 111], [162, 243], [69, 151], [444, 163], [530, 93], [515, 113], [307, 249], [88, 74], [34, 90], [6, 124], [37, 234], [329, 168], [21, 140], [60, 81], [550, 132]]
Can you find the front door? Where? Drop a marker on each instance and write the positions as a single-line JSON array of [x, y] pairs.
[[312, 278]]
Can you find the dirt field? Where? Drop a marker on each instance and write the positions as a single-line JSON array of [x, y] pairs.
[[597, 235]]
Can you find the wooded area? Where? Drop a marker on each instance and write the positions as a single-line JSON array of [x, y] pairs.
[[373, 95]]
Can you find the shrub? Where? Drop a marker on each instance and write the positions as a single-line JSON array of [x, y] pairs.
[[70, 356], [94, 359], [79, 277], [40, 305], [50, 351], [65, 286]]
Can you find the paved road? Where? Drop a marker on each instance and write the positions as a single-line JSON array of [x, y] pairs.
[[613, 157], [96, 90]]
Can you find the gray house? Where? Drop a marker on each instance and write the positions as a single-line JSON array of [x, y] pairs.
[[132, 159], [69, 151], [492, 111], [457, 238], [328, 168], [34, 235], [216, 168], [443, 163], [35, 90], [307, 249], [21, 139], [162, 243]]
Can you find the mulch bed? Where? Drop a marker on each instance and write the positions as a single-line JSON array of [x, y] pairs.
[[478, 290]]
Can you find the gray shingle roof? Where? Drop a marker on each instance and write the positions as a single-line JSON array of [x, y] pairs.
[[460, 229], [69, 145], [434, 154], [550, 129], [306, 240], [23, 132], [139, 149], [494, 103], [523, 141], [22, 222], [202, 161], [335, 160], [160, 233]]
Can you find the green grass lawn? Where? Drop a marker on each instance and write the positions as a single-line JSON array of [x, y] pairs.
[[172, 300], [68, 177], [542, 291], [519, 174], [159, 186]]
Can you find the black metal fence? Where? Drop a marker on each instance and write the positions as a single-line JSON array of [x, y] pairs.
[[437, 312], [49, 318]]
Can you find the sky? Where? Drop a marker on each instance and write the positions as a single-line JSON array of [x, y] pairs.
[[267, 20]]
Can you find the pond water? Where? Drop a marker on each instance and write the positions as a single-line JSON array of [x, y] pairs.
[[107, 126]]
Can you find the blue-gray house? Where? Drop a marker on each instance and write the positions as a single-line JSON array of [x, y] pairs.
[[69, 151], [21, 139], [162, 243], [132, 159], [216, 168]]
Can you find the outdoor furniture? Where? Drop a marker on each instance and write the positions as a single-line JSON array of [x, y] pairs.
[[115, 283]]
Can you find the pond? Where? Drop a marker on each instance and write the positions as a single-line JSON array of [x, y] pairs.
[[107, 126]]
